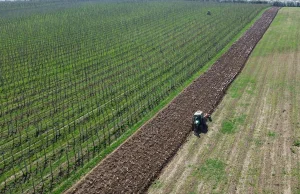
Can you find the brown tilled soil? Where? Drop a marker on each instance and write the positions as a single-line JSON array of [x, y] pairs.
[[137, 162]]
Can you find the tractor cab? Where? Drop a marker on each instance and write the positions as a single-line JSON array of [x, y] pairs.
[[198, 117]]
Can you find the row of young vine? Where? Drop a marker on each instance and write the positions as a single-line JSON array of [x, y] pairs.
[[74, 80]]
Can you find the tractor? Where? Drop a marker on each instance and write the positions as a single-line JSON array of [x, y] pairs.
[[199, 122]]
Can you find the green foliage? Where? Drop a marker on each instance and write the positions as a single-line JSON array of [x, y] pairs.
[[286, 43], [296, 143], [271, 134]]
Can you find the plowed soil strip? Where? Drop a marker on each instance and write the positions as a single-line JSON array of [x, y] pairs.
[[137, 162]]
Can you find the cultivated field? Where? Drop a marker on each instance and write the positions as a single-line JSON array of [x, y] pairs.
[[253, 144], [75, 78], [137, 162]]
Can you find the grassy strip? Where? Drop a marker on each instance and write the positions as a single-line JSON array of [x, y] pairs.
[[89, 166]]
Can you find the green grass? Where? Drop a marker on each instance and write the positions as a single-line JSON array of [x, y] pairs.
[[271, 134], [212, 170], [230, 126], [157, 184], [296, 143], [258, 142], [284, 41], [236, 89]]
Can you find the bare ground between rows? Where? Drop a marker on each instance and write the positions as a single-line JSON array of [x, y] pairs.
[[136, 163]]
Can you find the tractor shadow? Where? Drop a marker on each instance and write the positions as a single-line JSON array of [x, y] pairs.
[[203, 129]]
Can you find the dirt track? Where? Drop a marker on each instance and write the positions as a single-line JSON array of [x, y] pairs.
[[136, 163]]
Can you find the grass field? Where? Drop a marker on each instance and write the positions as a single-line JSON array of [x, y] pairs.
[[252, 146], [77, 77]]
